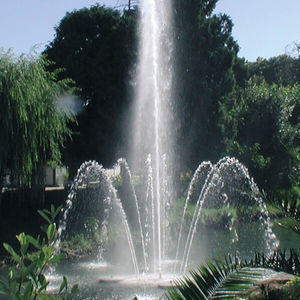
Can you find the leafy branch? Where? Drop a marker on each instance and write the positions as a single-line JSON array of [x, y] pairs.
[[26, 279]]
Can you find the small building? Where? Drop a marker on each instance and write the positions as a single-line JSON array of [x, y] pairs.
[[56, 176]]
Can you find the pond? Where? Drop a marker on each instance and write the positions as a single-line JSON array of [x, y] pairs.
[[103, 281]]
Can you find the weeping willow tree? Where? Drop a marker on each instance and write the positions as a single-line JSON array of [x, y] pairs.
[[32, 129]]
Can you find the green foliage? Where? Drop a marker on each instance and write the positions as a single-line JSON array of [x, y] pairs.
[[179, 206], [26, 279], [288, 201], [258, 128], [85, 241], [32, 129], [282, 69], [216, 217], [78, 245]]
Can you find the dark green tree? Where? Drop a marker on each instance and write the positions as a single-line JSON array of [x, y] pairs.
[[260, 126], [33, 130], [96, 46], [241, 71], [281, 69], [205, 57]]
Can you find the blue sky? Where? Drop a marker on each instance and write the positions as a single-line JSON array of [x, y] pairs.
[[262, 28]]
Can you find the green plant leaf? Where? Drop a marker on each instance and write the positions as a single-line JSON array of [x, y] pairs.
[[42, 256], [24, 243], [42, 279], [12, 252], [33, 257], [44, 216], [25, 279], [75, 289], [48, 212], [57, 210], [64, 285], [28, 290], [30, 268], [48, 251], [57, 258], [34, 242], [51, 232], [43, 282]]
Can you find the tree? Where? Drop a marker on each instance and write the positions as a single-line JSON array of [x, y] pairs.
[[96, 46], [260, 127], [33, 130], [282, 69], [205, 55]]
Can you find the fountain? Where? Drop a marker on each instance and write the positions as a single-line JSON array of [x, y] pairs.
[[138, 207], [221, 186]]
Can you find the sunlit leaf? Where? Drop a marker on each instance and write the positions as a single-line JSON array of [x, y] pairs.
[[51, 231]]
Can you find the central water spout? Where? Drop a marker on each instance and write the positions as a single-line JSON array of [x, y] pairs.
[[152, 105]]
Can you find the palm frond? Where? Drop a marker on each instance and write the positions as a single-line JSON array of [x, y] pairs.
[[231, 278], [280, 260], [291, 224], [216, 279]]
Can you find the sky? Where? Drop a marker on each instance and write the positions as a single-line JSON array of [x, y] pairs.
[[262, 28]]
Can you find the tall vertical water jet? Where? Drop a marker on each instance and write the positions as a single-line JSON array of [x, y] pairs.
[[151, 127]]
